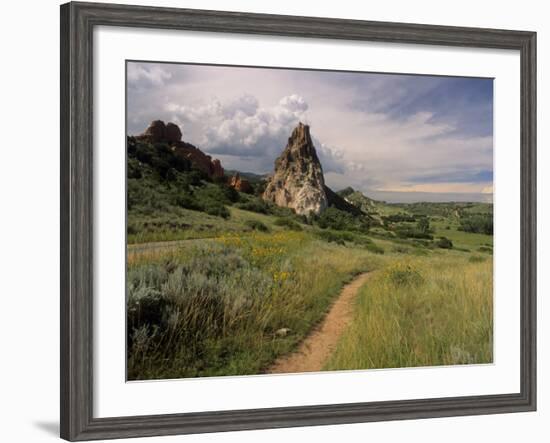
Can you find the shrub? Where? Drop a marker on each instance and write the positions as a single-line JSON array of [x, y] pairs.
[[408, 232], [479, 224], [485, 249], [144, 152], [402, 274], [141, 194], [444, 243], [288, 223], [423, 225], [333, 218], [255, 205], [134, 168], [396, 218], [335, 237], [256, 225], [194, 178], [229, 193], [212, 194], [423, 244], [187, 201], [174, 309], [217, 209], [159, 156]]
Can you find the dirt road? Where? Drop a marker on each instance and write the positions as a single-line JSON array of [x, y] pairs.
[[315, 350]]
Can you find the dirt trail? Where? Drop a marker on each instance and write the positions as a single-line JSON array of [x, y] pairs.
[[140, 247], [315, 350]]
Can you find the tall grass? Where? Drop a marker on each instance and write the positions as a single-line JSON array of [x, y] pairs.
[[213, 307], [421, 312]]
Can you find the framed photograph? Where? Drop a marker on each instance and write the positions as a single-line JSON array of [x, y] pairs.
[[273, 221]]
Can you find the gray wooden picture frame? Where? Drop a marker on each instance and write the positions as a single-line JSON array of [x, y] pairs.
[[77, 23]]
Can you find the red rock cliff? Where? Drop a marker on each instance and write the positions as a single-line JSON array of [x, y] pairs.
[[170, 133]]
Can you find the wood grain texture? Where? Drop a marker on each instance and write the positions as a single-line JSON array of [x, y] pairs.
[[76, 308]]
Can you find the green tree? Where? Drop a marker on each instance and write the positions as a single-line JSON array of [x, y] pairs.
[[423, 225]]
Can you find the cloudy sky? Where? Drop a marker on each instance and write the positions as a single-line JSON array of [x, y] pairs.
[[394, 137]]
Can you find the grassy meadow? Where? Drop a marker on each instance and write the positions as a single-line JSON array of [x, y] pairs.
[[220, 282], [213, 307], [421, 312]]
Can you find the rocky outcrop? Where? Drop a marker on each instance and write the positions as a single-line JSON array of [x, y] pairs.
[[298, 181], [170, 133], [156, 132], [199, 159], [240, 184], [217, 170], [359, 200], [173, 133]]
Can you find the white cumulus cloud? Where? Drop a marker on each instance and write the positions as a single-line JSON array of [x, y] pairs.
[[240, 127], [294, 103], [140, 75], [373, 132]]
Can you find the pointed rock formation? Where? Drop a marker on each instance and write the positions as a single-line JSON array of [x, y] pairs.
[[298, 181], [240, 184]]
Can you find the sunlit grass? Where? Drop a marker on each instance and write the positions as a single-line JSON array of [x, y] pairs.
[[212, 307], [461, 239], [185, 224], [210, 302], [421, 312]]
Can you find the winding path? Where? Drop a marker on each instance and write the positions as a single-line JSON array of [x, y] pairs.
[[315, 350]]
